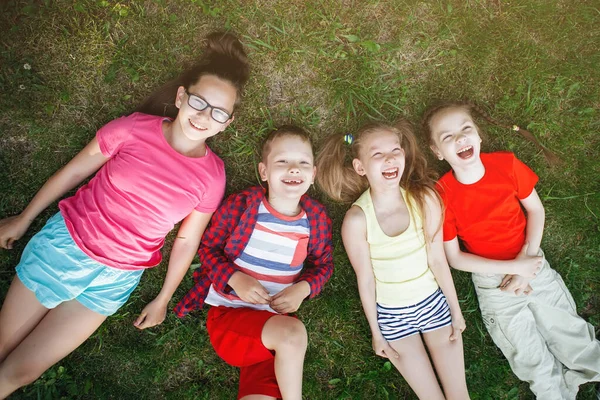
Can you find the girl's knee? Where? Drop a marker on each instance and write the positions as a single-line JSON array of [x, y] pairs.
[[20, 375], [292, 333]]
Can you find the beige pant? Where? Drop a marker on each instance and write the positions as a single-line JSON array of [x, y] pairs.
[[546, 343]]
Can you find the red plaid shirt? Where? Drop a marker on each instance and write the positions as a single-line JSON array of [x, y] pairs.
[[228, 234]]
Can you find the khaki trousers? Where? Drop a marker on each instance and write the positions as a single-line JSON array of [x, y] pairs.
[[544, 340]]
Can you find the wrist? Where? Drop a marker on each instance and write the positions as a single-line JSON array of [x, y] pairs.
[[163, 298], [233, 279], [25, 218], [304, 287], [513, 267]]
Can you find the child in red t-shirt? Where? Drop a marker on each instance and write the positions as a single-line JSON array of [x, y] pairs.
[[525, 304]]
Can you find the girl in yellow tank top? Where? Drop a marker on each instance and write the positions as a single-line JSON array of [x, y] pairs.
[[393, 239]]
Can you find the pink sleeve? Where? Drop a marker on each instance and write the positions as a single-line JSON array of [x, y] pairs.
[[525, 179], [112, 135], [212, 198]]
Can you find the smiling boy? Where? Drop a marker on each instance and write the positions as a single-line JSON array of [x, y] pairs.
[[264, 252]]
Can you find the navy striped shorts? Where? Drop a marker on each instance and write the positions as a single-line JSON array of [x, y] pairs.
[[425, 316]]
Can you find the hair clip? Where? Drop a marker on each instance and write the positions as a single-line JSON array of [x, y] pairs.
[[348, 138], [516, 128]]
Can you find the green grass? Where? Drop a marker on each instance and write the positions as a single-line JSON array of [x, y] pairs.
[[329, 66]]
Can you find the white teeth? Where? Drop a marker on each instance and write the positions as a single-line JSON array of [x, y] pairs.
[[465, 149], [390, 173], [196, 126], [292, 181]]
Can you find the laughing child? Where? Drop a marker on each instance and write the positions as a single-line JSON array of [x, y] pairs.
[[264, 252]]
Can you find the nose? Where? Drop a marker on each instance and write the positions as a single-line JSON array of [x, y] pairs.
[[294, 168], [204, 113], [460, 137], [390, 157]]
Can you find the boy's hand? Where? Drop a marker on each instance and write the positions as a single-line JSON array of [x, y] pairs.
[[528, 266], [290, 298], [382, 348], [458, 326], [516, 284], [249, 289], [153, 314], [11, 229]]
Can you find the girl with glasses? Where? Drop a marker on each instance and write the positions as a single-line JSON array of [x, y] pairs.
[[152, 170]]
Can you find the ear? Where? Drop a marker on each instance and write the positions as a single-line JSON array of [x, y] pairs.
[[226, 124], [358, 167], [262, 171], [179, 97], [435, 151], [314, 175]]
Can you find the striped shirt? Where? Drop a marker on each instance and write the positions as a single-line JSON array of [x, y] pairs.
[[274, 255]]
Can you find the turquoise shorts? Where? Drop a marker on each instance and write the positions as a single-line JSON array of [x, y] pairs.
[[55, 269]]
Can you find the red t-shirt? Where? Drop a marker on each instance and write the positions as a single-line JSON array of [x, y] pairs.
[[487, 215], [122, 215]]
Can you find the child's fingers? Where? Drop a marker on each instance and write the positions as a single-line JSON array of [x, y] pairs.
[[381, 353], [389, 352], [455, 333], [505, 281], [262, 293], [140, 320]]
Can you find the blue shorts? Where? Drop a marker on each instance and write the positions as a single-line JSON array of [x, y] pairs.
[[425, 316], [55, 269]]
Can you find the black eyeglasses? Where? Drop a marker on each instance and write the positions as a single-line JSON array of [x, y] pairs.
[[199, 104]]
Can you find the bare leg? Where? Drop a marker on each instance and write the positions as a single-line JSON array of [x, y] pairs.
[[415, 367], [449, 362], [21, 312], [60, 332], [287, 337]]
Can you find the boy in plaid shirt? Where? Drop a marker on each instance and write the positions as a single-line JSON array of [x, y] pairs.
[[263, 253]]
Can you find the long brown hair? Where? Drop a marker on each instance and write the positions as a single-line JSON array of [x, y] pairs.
[[469, 108], [338, 179], [223, 57]]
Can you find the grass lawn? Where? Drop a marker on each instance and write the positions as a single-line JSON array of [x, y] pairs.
[[68, 67]]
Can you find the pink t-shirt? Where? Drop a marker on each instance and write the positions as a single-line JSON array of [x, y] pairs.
[[122, 215]]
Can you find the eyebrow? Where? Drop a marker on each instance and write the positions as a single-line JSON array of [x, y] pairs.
[[447, 131]]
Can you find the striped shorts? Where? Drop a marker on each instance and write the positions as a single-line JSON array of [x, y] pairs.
[[425, 316]]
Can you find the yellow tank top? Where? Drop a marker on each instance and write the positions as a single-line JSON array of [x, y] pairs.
[[402, 274]]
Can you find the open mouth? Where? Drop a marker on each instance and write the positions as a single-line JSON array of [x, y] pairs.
[[465, 153], [390, 173], [293, 182], [198, 127]]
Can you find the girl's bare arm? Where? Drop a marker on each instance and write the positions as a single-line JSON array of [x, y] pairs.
[[84, 164]]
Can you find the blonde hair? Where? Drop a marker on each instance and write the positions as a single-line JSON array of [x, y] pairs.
[[469, 108], [338, 179]]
